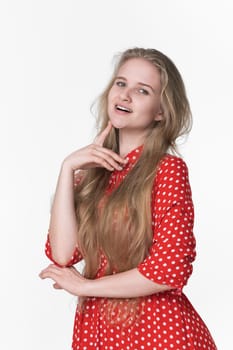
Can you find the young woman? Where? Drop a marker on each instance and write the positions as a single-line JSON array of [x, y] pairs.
[[123, 204]]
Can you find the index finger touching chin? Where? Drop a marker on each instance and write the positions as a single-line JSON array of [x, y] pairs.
[[99, 140]]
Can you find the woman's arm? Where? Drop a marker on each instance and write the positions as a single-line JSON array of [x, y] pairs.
[[63, 225], [128, 284]]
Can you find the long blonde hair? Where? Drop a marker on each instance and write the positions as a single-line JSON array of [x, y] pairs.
[[122, 231]]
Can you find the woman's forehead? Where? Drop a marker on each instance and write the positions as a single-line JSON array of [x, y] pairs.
[[139, 70]]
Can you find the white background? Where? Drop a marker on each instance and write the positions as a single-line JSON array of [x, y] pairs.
[[55, 58]]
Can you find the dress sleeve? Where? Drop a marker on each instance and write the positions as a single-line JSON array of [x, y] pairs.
[[172, 252], [76, 256]]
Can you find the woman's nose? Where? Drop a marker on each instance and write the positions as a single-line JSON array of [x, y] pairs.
[[125, 94]]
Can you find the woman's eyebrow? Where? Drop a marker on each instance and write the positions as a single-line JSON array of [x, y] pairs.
[[139, 83], [119, 77]]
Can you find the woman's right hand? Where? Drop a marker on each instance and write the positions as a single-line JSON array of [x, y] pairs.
[[95, 155]]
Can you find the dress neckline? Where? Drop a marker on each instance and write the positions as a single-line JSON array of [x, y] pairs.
[[118, 175], [133, 155]]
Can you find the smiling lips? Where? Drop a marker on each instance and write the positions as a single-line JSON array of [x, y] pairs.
[[123, 109]]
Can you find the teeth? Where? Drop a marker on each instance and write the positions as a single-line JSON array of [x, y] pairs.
[[121, 108]]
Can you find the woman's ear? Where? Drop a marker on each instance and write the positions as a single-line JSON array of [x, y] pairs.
[[158, 116]]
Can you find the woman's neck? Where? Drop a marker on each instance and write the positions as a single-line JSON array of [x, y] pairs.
[[129, 141]]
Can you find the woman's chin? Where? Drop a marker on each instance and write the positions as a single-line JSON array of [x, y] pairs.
[[117, 124]]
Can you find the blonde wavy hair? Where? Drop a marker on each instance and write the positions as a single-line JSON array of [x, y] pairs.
[[122, 231]]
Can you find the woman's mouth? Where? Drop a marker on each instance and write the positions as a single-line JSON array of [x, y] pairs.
[[123, 109]]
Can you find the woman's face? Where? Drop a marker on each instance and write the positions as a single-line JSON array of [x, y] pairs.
[[134, 98]]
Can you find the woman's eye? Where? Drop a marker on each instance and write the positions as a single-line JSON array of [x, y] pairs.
[[120, 83], [143, 91]]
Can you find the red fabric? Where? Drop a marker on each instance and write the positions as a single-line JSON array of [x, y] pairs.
[[168, 320], [173, 250]]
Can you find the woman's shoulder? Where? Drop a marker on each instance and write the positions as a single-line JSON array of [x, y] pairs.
[[172, 179], [171, 161], [172, 165]]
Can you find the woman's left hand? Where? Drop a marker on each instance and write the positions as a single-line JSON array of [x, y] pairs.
[[67, 278]]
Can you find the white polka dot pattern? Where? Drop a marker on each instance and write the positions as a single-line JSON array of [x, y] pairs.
[[168, 320], [173, 248]]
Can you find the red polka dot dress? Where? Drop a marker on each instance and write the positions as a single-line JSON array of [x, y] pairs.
[[167, 320]]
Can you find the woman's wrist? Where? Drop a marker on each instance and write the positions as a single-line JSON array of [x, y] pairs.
[[67, 166], [85, 289]]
